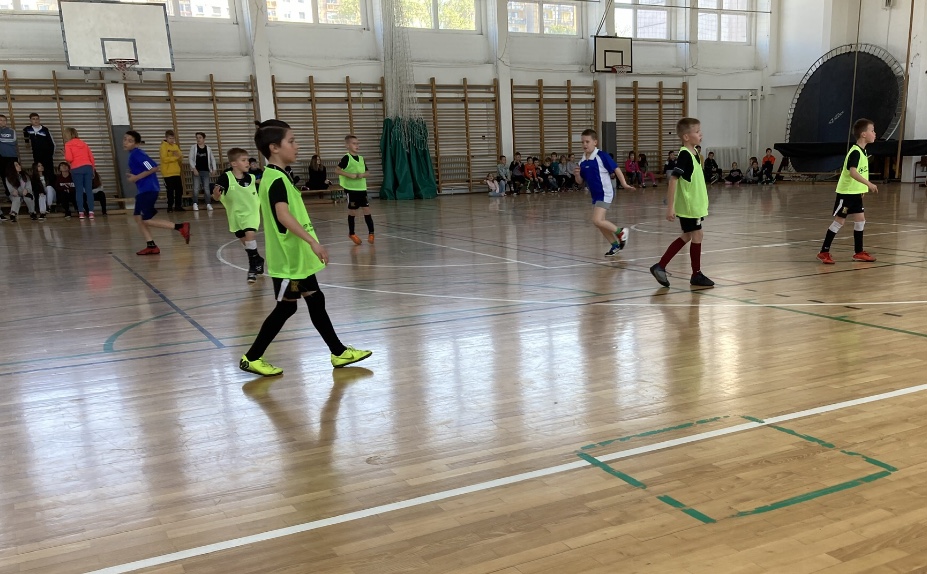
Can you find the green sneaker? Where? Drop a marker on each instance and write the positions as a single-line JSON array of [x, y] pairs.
[[350, 355], [261, 367]]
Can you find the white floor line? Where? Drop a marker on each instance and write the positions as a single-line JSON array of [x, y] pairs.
[[514, 479], [467, 251]]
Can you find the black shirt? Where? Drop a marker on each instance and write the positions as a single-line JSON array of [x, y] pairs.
[[853, 159], [224, 181], [317, 178], [277, 194], [343, 164], [202, 158], [684, 166]]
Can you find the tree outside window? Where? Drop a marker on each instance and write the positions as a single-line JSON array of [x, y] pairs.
[[440, 14], [541, 17], [643, 19], [724, 21], [338, 12]]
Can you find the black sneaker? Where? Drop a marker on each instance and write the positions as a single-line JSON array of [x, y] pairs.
[[41, 217], [699, 280], [33, 217], [252, 277], [12, 218], [613, 251], [659, 273]]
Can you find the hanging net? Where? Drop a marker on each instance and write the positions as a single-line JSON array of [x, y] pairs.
[[408, 172]]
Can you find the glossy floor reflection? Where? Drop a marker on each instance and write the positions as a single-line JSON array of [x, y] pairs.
[[503, 344]]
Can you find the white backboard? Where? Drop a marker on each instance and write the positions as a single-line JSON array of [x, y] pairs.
[[95, 31], [612, 51]]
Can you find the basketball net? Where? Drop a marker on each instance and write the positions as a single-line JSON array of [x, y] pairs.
[[124, 67], [621, 69], [401, 100]]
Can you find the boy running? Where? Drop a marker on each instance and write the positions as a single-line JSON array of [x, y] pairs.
[[238, 192], [352, 175], [595, 168]]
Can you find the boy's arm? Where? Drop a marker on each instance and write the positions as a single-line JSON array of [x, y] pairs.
[[221, 185], [286, 219], [856, 175], [671, 198], [620, 176], [578, 175]]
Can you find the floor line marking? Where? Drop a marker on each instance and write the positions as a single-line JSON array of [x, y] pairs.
[[490, 484], [173, 306], [467, 251]]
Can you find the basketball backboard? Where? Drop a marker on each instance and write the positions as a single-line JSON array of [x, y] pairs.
[[97, 33], [611, 53]]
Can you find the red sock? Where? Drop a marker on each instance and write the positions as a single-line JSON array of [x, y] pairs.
[[695, 254], [671, 252]]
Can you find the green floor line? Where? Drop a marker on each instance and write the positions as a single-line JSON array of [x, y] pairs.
[[688, 510], [872, 461], [652, 432], [808, 438], [616, 473], [812, 495]]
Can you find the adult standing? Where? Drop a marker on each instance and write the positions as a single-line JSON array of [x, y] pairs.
[[8, 153], [203, 164], [42, 144], [78, 154]]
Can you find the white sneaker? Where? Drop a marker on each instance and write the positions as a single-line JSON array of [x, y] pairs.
[[196, 207], [208, 207]]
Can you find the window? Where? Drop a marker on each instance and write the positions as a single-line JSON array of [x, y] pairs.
[[341, 12], [541, 17], [723, 20], [191, 8], [637, 19], [30, 5], [440, 14]]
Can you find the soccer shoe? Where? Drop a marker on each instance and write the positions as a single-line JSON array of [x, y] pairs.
[[355, 239], [659, 273], [370, 239], [252, 277], [613, 251], [149, 251], [350, 355], [185, 232], [825, 258], [699, 280], [258, 265], [259, 367], [622, 235], [863, 256]]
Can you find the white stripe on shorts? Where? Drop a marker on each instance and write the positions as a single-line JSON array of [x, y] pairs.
[[283, 287], [839, 207]]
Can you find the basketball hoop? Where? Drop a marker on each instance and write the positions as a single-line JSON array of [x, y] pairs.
[[123, 66], [623, 69]]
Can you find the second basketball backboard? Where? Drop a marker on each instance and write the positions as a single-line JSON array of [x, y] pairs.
[[613, 54], [97, 33]]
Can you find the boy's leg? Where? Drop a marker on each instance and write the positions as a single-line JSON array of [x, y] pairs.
[[859, 222], [824, 254], [253, 361], [615, 235], [658, 270], [368, 219], [255, 262], [352, 213], [315, 301], [143, 229]]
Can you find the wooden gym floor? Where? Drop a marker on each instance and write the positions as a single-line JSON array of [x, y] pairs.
[[530, 406]]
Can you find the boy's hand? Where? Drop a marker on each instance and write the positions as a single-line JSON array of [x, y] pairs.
[[872, 187], [320, 251], [195, 172], [670, 213], [626, 186], [131, 177], [576, 171]]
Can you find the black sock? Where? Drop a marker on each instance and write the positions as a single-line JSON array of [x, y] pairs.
[[828, 239], [369, 219], [272, 325], [858, 240], [178, 226], [252, 254], [322, 323], [350, 225], [151, 244]]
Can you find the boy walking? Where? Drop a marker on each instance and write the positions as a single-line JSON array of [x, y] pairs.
[[352, 175], [237, 191], [42, 144], [687, 199], [853, 183], [203, 164], [596, 168], [143, 172], [294, 254], [170, 170]]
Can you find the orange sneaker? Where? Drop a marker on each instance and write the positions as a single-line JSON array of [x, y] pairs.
[[863, 256], [185, 232], [355, 239], [149, 251], [825, 258], [370, 239]]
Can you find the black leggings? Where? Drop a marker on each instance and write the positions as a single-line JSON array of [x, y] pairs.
[[286, 309]]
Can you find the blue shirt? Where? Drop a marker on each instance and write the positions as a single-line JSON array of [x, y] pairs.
[[140, 162], [8, 143], [597, 173]]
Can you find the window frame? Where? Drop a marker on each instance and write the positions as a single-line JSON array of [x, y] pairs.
[[173, 11], [635, 5], [436, 23], [747, 13], [577, 4], [314, 11]]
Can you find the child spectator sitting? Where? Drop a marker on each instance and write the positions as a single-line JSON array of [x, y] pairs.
[[632, 170], [547, 176], [42, 189], [64, 189], [493, 185], [503, 175], [98, 194], [571, 165], [19, 188], [670, 165], [735, 176], [556, 170], [769, 160], [753, 172], [713, 172], [531, 175], [517, 167], [644, 168]]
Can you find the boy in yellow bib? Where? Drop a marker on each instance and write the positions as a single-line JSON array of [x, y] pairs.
[[294, 254], [238, 192], [853, 183], [352, 175]]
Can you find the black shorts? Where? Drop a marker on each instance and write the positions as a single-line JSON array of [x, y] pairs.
[[242, 232], [689, 224], [848, 204], [294, 289], [357, 199]]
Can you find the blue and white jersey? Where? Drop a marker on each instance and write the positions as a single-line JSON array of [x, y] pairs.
[[139, 162], [596, 170]]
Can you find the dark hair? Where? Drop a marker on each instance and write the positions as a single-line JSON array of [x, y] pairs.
[[315, 163], [254, 159], [711, 153], [685, 125], [236, 152], [200, 134], [860, 126], [3, 116], [96, 181], [36, 182], [591, 133], [65, 164], [14, 178], [168, 133], [33, 115], [269, 132], [643, 158], [769, 149], [135, 136]]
